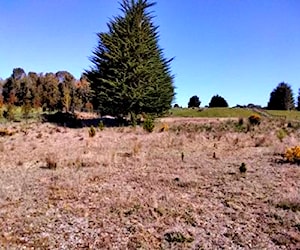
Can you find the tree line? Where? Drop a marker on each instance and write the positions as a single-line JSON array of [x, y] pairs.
[[50, 91], [281, 98]]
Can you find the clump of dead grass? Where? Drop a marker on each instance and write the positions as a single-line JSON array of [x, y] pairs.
[[51, 162], [92, 131]]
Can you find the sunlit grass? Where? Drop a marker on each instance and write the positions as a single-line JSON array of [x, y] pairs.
[[211, 112], [288, 114], [18, 113]]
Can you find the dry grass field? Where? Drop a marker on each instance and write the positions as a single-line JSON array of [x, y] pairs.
[[125, 188]]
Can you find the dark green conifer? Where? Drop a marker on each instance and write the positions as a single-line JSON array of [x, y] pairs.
[[130, 73]]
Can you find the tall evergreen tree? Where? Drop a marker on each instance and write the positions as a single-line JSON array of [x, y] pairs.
[[130, 73], [281, 98]]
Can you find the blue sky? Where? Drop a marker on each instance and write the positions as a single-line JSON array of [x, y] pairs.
[[239, 49]]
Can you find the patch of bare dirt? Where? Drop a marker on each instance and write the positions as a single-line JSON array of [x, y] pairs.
[[128, 189]]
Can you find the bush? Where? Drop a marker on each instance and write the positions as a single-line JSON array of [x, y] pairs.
[[149, 124], [292, 155], [254, 119]]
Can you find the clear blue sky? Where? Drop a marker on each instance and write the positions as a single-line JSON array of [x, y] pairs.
[[239, 49]]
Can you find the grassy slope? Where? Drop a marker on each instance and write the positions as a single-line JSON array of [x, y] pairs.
[[289, 114], [230, 112], [211, 112]]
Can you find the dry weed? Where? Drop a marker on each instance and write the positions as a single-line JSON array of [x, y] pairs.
[[51, 162]]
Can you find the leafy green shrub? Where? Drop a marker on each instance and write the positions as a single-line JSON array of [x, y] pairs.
[[149, 124], [254, 119]]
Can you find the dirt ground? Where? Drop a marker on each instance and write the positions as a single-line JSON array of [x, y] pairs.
[[125, 188]]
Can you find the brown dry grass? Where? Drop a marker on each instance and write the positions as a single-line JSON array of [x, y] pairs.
[[128, 189]]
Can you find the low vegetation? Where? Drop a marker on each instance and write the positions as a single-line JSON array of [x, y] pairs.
[[191, 183]]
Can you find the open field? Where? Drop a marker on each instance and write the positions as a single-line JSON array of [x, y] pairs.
[[127, 189]]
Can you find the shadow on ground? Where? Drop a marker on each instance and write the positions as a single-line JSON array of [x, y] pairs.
[[71, 121]]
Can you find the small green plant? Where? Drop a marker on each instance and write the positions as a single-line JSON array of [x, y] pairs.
[[281, 134], [92, 131], [254, 119], [101, 126], [148, 124]]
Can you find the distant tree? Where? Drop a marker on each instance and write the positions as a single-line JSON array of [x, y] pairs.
[[20, 86], [218, 102], [281, 98], [83, 93], [18, 73], [176, 105], [1, 96], [194, 102], [36, 95], [49, 91], [130, 73], [66, 86], [298, 100]]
